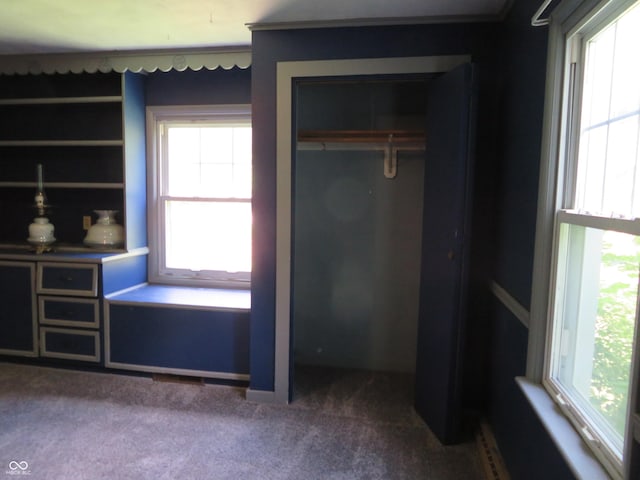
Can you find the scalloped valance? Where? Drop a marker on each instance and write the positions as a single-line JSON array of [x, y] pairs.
[[142, 61]]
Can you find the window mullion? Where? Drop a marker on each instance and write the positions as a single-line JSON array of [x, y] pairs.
[[574, 93], [162, 188], [623, 225], [204, 199], [632, 437], [636, 170]]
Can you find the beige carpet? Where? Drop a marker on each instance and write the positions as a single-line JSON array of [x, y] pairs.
[[66, 424]]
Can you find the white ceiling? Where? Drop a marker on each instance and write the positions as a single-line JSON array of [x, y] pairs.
[[48, 26]]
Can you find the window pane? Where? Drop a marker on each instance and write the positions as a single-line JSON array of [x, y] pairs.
[[621, 169], [591, 169], [208, 236], [218, 178], [608, 180], [209, 161], [625, 94], [183, 161], [595, 309]]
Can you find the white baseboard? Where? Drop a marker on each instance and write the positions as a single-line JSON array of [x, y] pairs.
[[264, 396]]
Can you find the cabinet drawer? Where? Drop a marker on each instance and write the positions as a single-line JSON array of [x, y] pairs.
[[69, 344], [70, 312], [68, 279]]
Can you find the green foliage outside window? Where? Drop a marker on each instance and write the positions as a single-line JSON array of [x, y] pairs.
[[614, 334]]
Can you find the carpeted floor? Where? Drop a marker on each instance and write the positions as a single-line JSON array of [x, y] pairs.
[[64, 424]]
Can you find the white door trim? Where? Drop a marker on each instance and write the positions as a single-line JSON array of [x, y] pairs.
[[286, 72]]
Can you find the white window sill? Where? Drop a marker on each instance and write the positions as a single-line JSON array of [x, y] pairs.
[[167, 295], [575, 452]]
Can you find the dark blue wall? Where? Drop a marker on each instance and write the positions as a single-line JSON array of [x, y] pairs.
[[525, 446], [202, 87], [270, 47], [511, 60], [524, 57]]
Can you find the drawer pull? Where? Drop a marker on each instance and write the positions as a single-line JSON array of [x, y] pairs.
[[66, 279], [69, 314]]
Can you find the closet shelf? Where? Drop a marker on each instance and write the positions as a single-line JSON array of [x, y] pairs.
[[388, 141], [397, 137]]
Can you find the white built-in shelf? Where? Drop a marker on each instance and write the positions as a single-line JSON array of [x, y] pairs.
[[61, 143], [63, 185], [60, 100]]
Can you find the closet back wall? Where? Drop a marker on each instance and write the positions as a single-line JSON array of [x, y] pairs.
[[355, 275], [357, 234]]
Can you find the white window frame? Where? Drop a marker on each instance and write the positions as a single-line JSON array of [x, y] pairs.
[[568, 17], [155, 116]]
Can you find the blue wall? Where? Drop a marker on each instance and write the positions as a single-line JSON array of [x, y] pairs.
[[202, 87], [524, 57], [270, 47], [525, 446], [511, 59]]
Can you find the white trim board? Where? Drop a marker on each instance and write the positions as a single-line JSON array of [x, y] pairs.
[[375, 22], [571, 447], [179, 371], [286, 72], [134, 61], [511, 304], [261, 396]]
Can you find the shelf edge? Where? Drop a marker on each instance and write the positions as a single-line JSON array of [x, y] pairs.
[[61, 143], [61, 100], [100, 185]]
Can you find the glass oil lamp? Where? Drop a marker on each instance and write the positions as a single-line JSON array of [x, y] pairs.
[[41, 230]]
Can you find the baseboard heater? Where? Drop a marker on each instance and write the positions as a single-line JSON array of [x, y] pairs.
[[490, 457]]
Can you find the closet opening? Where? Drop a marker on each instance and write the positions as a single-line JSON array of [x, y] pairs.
[[357, 211]]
